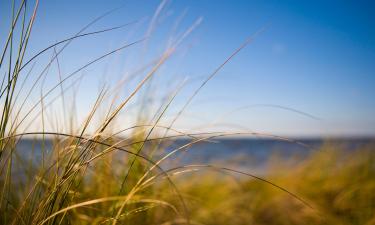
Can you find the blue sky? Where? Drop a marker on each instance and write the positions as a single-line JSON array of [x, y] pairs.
[[314, 56]]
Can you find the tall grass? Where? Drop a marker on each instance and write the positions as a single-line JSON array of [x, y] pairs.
[[338, 183], [95, 175]]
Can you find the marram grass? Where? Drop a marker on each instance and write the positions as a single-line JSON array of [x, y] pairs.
[[94, 175]]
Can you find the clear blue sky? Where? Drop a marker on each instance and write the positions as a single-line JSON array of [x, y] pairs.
[[314, 56]]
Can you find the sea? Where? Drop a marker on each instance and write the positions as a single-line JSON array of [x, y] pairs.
[[245, 154]]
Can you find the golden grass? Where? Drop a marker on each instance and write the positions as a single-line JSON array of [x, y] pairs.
[[100, 177], [339, 185]]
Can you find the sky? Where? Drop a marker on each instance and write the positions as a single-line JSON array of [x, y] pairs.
[[312, 57]]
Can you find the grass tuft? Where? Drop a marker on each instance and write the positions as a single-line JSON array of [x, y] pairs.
[[91, 172]]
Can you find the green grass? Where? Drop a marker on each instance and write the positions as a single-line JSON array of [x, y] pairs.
[[100, 177]]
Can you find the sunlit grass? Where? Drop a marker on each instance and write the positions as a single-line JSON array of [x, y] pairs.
[[94, 174]]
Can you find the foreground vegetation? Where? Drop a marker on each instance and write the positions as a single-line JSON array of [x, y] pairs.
[[88, 172], [335, 186]]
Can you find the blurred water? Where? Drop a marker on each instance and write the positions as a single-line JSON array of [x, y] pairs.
[[244, 154], [254, 154]]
